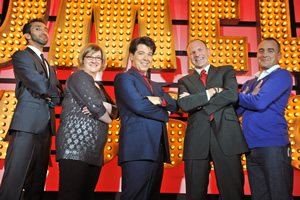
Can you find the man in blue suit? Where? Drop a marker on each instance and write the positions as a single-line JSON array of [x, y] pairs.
[[144, 110]]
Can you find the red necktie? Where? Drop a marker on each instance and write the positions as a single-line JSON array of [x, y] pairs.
[[203, 78]]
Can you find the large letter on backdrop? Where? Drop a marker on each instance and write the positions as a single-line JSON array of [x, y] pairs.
[[204, 23], [274, 21], [18, 13], [114, 25]]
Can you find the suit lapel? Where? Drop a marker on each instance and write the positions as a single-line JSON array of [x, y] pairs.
[[38, 59], [140, 78], [211, 72], [195, 81]]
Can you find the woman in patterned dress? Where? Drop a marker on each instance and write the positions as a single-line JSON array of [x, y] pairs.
[[82, 134]]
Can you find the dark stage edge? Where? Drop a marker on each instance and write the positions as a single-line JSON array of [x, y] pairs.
[[116, 196]]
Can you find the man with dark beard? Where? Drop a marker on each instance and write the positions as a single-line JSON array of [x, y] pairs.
[[33, 123]]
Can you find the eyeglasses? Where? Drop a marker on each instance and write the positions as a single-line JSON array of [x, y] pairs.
[[90, 58]]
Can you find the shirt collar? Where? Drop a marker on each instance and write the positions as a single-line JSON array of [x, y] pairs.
[[141, 73], [265, 73], [205, 68], [36, 50]]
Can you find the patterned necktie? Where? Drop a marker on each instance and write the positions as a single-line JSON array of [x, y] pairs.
[[45, 64], [203, 77]]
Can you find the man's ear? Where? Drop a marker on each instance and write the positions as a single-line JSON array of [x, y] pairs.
[[208, 51], [279, 55], [130, 57], [27, 36]]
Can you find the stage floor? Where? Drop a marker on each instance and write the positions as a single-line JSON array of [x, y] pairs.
[[116, 196]]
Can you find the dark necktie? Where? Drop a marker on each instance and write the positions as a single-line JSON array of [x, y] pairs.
[[44, 64], [203, 77]]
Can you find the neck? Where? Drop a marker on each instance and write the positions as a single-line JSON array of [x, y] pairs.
[[39, 47]]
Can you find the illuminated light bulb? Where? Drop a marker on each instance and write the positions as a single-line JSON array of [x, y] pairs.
[[295, 69]]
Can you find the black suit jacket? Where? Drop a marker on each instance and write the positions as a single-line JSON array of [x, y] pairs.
[[32, 113], [229, 133]]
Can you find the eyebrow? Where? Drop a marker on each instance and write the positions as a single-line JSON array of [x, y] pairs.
[[267, 49], [39, 26]]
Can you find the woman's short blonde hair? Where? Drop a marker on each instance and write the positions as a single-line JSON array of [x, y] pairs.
[[91, 48]]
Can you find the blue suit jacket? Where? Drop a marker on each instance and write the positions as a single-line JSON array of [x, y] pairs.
[[142, 123]]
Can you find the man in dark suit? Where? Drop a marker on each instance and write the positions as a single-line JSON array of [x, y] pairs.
[[143, 106], [213, 131], [33, 123]]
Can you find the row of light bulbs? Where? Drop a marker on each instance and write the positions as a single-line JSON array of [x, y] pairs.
[[273, 20]]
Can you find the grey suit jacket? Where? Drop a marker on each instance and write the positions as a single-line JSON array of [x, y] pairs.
[[229, 133], [32, 113]]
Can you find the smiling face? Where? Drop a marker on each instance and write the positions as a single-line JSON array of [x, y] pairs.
[[268, 54], [142, 58], [92, 63], [38, 36], [198, 54]]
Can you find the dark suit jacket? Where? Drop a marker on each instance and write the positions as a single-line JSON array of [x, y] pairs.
[[33, 113], [229, 133], [142, 123]]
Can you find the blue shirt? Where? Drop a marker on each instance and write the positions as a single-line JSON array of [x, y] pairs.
[[263, 118]]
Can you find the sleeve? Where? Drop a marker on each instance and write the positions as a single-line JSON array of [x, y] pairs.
[[83, 89], [228, 96], [193, 101], [130, 97], [270, 90], [24, 69], [169, 103]]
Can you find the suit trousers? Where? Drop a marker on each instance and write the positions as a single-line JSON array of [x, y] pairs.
[[228, 170], [141, 179], [26, 166]]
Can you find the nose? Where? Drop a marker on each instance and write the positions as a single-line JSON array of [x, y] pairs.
[[147, 57]]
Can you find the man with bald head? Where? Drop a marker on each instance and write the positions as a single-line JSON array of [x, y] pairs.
[[213, 130]]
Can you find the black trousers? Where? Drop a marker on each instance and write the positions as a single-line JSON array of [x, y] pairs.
[[26, 166], [228, 170], [77, 180]]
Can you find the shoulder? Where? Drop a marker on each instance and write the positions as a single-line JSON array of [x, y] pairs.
[[283, 72], [80, 75], [186, 77], [224, 68], [21, 54], [121, 75]]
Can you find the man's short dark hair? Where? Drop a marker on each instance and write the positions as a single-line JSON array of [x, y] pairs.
[[27, 26], [142, 40], [273, 39]]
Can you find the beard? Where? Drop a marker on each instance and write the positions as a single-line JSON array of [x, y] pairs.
[[38, 40]]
